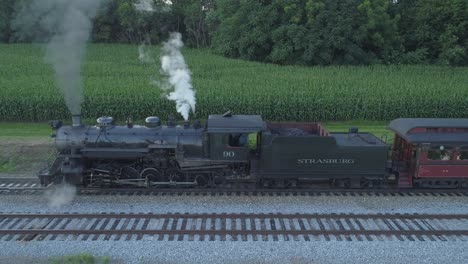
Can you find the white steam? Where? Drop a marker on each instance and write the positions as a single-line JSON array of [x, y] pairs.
[[61, 195], [144, 54], [144, 5], [66, 26], [179, 82]]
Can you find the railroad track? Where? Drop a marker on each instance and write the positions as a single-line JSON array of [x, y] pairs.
[[20, 185], [233, 227], [272, 192]]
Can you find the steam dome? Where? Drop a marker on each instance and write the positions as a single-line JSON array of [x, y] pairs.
[[105, 121], [152, 121]]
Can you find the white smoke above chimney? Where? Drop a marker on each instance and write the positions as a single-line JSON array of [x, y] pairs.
[[177, 82], [67, 26], [144, 54], [178, 77]]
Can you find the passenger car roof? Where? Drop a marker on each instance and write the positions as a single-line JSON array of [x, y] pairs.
[[404, 126]]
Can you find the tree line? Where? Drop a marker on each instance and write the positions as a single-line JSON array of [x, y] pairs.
[[306, 32]]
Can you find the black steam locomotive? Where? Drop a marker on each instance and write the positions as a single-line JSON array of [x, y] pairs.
[[233, 149]]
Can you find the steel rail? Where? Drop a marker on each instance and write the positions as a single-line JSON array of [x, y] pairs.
[[234, 232], [235, 216]]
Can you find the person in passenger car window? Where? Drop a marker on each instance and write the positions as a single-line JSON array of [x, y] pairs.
[[445, 156]]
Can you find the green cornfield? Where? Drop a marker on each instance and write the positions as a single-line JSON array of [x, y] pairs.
[[117, 84]]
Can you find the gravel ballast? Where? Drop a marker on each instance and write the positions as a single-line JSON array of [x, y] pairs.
[[154, 251], [240, 204], [242, 252]]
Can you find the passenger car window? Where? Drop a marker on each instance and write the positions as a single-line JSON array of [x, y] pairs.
[[439, 153], [462, 155]]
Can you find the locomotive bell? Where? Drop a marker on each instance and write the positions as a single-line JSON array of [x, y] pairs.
[[104, 121], [152, 122]]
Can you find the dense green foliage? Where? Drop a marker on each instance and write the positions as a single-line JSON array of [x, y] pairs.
[[324, 32], [119, 21], [117, 84], [308, 32]]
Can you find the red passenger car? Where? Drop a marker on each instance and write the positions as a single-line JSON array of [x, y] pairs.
[[430, 152]]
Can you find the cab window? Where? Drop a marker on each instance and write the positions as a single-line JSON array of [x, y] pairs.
[[237, 139], [252, 139]]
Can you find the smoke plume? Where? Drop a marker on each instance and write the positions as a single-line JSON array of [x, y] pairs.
[[60, 195], [144, 5], [66, 26], [144, 55], [178, 82]]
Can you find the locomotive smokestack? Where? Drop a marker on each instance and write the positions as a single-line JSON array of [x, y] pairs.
[[76, 120]]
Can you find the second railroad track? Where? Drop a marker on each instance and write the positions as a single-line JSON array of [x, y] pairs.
[[232, 227]]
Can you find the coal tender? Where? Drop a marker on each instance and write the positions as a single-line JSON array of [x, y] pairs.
[[293, 153], [227, 151]]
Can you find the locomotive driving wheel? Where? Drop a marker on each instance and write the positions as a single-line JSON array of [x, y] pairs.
[[202, 180], [128, 172], [171, 176], [152, 176]]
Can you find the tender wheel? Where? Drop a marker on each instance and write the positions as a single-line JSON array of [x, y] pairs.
[[284, 184], [291, 184], [344, 183]]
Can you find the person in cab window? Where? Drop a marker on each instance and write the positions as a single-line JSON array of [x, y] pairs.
[[242, 140]]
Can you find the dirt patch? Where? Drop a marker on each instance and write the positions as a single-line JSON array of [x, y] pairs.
[[25, 156]]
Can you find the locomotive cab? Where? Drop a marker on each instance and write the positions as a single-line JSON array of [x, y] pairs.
[[234, 138]]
